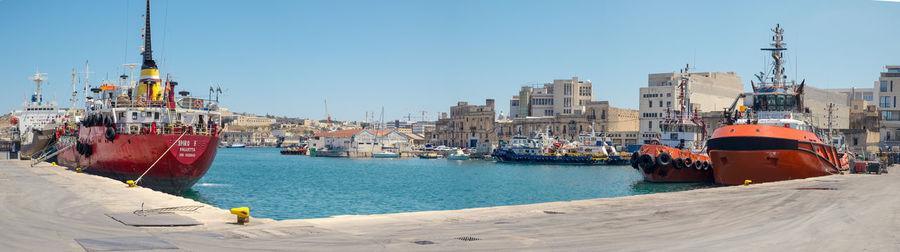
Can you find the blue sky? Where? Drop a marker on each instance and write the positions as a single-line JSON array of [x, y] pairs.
[[285, 57]]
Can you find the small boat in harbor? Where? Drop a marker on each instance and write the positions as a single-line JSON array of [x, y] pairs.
[[774, 140], [430, 155], [545, 150], [298, 150], [237, 146], [679, 156], [386, 154], [459, 155]]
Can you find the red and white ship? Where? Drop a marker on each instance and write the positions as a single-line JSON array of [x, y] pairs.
[[679, 153], [145, 132]]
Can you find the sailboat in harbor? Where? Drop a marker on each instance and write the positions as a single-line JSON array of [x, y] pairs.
[[383, 154]]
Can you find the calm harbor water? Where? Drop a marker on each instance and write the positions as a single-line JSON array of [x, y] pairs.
[[290, 187]]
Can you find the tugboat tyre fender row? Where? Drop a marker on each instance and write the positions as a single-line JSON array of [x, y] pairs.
[[698, 165], [110, 133], [663, 159], [634, 159], [706, 165], [678, 163], [647, 163]]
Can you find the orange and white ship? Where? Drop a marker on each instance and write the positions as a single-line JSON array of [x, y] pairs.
[[678, 155], [770, 138]]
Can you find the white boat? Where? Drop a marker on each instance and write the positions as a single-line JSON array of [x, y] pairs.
[[236, 146], [386, 154], [459, 155]]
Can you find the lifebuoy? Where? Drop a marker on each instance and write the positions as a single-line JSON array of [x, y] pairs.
[[698, 165], [706, 165], [647, 163], [141, 101], [198, 104], [110, 133], [678, 163], [663, 159]]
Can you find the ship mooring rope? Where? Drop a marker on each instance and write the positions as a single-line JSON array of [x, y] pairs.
[[160, 158]]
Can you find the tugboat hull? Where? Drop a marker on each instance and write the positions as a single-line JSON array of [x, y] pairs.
[[675, 169], [764, 153], [126, 157]]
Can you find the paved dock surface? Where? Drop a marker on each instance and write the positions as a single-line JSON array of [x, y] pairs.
[[46, 208]]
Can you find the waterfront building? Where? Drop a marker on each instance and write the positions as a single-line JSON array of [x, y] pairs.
[[252, 121], [863, 136], [467, 126], [333, 140], [599, 116], [365, 143], [563, 97], [708, 91], [887, 88], [854, 93]]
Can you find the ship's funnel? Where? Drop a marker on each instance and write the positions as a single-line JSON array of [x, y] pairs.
[[149, 81]]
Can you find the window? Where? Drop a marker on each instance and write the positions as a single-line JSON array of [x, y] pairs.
[[884, 101], [133, 115], [668, 104], [650, 124], [651, 103], [887, 115], [884, 86], [660, 104], [668, 94]]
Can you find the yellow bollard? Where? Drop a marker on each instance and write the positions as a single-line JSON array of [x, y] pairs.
[[843, 172], [243, 215], [78, 170], [54, 163], [130, 183], [747, 182]]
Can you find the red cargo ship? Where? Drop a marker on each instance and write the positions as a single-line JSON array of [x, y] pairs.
[[772, 142], [678, 156], [142, 132]]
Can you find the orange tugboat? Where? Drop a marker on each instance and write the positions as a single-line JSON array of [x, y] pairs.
[[772, 142], [678, 156]]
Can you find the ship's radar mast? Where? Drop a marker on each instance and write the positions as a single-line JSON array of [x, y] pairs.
[[37, 78], [778, 79]]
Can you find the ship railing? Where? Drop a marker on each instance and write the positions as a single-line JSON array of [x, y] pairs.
[[183, 103], [171, 129]]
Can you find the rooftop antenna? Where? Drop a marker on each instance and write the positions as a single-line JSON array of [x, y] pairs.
[[74, 95], [131, 73]]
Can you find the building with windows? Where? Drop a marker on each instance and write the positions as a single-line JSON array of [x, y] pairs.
[[887, 88], [619, 124], [467, 126], [562, 97], [708, 91]]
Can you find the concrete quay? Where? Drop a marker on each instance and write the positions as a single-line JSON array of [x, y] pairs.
[[46, 208]]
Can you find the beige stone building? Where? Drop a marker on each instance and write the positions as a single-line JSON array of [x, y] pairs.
[[708, 91], [620, 124], [253, 121], [563, 97], [887, 89], [467, 126]]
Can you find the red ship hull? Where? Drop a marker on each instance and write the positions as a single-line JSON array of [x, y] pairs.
[[126, 157], [672, 170], [763, 153]]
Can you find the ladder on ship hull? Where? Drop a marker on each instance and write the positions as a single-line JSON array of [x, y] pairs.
[[50, 152]]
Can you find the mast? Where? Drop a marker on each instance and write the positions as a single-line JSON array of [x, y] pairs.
[[38, 78], [149, 81], [778, 47]]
